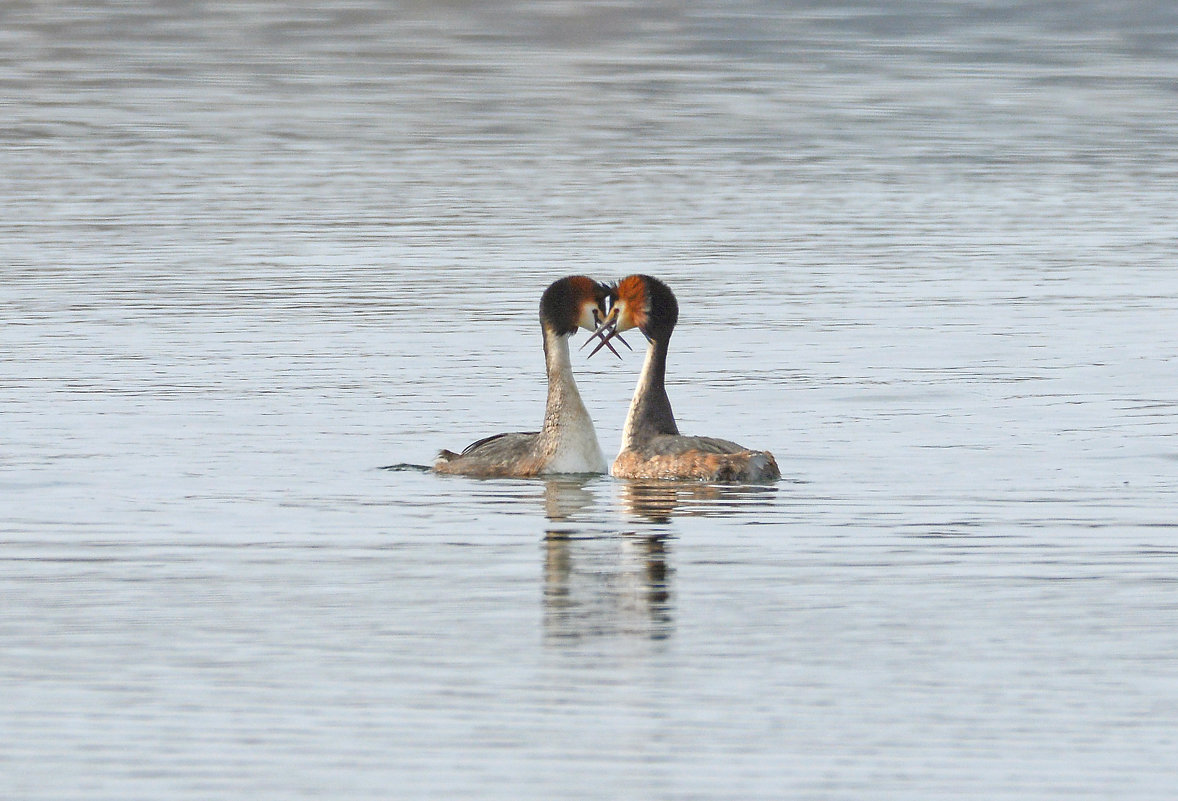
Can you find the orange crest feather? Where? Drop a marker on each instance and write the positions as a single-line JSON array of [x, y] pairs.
[[632, 289]]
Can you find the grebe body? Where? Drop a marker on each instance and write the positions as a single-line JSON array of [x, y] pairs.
[[652, 446], [567, 442]]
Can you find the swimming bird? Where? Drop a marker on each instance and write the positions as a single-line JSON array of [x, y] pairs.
[[567, 443], [652, 446]]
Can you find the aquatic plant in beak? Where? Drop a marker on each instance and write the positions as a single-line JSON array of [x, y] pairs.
[[606, 330]]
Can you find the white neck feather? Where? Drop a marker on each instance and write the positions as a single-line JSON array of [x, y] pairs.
[[567, 425], [641, 389]]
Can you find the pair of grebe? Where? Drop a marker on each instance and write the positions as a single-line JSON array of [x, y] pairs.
[[652, 446]]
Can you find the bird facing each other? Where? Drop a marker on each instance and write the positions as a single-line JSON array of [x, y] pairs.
[[652, 446]]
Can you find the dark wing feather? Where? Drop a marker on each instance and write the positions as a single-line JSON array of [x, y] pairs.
[[501, 455], [474, 446]]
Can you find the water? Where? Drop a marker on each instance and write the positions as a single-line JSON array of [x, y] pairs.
[[252, 253]]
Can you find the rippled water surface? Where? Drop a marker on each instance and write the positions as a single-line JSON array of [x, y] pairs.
[[253, 253]]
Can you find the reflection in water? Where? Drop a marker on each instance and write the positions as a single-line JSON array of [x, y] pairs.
[[566, 496], [606, 586], [599, 582], [658, 500]]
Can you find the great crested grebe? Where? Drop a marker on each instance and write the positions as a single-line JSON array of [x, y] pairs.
[[652, 446], [567, 443]]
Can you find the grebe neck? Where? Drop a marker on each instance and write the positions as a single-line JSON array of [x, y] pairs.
[[650, 410], [563, 396], [568, 431]]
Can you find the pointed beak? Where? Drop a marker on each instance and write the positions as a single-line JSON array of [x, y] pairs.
[[599, 332], [604, 332], [607, 330]]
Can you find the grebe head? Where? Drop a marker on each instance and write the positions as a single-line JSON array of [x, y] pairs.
[[571, 303], [642, 302]]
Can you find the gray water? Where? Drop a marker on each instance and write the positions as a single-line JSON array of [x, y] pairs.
[[252, 253]]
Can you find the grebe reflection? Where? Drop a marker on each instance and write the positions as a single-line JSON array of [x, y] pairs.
[[659, 501], [599, 581]]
